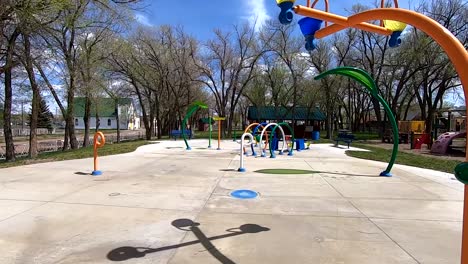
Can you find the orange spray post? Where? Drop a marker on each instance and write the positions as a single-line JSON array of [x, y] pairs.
[[99, 141], [219, 119]]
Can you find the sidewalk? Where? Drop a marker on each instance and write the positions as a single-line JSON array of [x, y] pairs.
[[164, 204]]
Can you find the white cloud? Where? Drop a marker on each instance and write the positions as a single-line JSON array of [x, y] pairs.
[[142, 19], [257, 12]]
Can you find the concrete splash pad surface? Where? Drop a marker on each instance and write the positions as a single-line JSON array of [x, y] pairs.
[[345, 213]]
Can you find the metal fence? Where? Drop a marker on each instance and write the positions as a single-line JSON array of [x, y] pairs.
[[53, 145]]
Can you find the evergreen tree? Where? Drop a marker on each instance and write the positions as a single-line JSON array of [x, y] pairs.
[[45, 117]]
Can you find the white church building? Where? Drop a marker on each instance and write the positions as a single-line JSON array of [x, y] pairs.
[[106, 110]]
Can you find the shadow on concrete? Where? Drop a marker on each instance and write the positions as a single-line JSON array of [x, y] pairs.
[[349, 174], [307, 172], [126, 253], [227, 170], [82, 173]]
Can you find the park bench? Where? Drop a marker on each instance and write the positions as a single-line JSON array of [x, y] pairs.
[[344, 137], [178, 134]]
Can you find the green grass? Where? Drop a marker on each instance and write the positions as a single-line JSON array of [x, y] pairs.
[[380, 154], [365, 136], [108, 149], [285, 171], [322, 141]]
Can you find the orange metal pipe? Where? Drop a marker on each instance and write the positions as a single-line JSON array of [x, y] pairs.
[[256, 124], [326, 10], [341, 22], [395, 3], [98, 144], [382, 5], [313, 4], [324, 32], [250, 126]]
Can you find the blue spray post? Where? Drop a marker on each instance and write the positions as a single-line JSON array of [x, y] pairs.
[[286, 15], [397, 28], [308, 27]]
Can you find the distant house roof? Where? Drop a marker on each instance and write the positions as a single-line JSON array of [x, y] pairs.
[[282, 113], [105, 107]]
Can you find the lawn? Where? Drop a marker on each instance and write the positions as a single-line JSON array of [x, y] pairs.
[[108, 149], [380, 154]]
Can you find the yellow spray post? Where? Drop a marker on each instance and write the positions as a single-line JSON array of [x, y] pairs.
[[219, 119], [99, 141]]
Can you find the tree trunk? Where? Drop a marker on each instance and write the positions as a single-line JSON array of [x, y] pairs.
[[65, 137], [86, 118], [151, 128], [70, 115], [35, 99], [378, 114], [10, 146], [98, 121], [117, 117]]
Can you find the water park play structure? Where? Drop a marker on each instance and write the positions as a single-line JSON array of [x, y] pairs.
[[366, 80], [272, 141], [220, 120], [192, 109], [393, 21], [441, 145], [99, 141]]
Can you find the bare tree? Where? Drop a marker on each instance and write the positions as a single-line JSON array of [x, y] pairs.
[[228, 67]]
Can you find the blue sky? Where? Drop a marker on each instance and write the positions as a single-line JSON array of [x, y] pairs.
[[199, 18]]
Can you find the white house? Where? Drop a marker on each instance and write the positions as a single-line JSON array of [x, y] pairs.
[[106, 110]]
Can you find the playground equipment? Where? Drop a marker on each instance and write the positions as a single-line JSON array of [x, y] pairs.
[[192, 109], [254, 131], [242, 146], [364, 78], [271, 146], [284, 145], [290, 153], [406, 129], [442, 143], [99, 141], [310, 25], [259, 141], [449, 43], [211, 130], [417, 140], [219, 119]]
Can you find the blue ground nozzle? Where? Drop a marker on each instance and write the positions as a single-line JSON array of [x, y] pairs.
[[385, 174]]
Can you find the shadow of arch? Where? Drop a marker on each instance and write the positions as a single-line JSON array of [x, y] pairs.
[[128, 252]]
